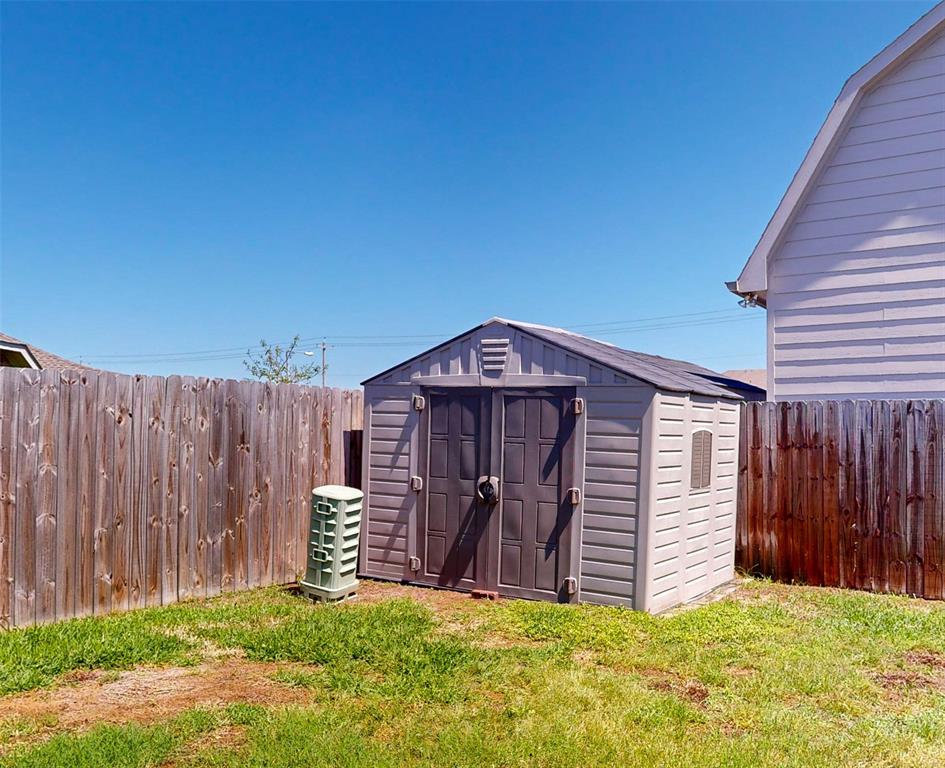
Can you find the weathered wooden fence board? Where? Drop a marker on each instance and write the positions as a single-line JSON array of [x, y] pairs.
[[848, 494], [122, 491]]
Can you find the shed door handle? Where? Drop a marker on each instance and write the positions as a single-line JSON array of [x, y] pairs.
[[487, 490]]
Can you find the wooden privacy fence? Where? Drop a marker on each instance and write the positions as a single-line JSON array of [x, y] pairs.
[[845, 494], [124, 491]]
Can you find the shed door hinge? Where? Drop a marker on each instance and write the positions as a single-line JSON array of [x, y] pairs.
[[419, 402], [574, 496], [414, 564], [416, 483], [577, 406]]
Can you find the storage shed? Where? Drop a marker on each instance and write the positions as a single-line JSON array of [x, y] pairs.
[[535, 462]]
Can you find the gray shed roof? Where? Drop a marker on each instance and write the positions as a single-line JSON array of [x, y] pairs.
[[661, 372]]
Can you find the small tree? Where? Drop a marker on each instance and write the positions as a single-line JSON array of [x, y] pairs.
[[273, 363]]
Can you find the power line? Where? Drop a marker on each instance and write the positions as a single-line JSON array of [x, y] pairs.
[[612, 327], [710, 321], [659, 317]]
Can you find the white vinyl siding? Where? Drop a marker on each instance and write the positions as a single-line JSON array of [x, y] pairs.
[[691, 531], [856, 287]]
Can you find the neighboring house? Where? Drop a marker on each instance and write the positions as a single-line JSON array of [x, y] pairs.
[[757, 377], [851, 267], [18, 354]]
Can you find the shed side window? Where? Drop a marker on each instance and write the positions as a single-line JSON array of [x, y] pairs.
[[700, 475]]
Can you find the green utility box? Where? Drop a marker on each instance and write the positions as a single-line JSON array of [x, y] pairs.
[[333, 543]]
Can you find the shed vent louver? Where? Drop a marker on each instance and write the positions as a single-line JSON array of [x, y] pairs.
[[700, 473], [493, 353]]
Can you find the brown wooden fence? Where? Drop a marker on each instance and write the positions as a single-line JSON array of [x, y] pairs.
[[844, 493], [124, 491]]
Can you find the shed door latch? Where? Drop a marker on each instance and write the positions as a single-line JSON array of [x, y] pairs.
[[416, 483], [570, 585], [574, 496], [577, 406], [419, 402], [414, 564]]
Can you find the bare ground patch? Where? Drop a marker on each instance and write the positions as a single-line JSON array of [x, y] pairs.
[[923, 670], [927, 659], [692, 691], [435, 599], [455, 612], [149, 695]]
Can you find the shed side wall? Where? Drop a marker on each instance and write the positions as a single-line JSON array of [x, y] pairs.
[[389, 458], [691, 540], [614, 419], [856, 287]]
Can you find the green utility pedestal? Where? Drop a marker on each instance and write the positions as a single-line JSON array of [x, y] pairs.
[[333, 543]]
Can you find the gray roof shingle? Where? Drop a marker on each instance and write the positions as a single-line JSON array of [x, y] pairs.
[[44, 358], [661, 372]]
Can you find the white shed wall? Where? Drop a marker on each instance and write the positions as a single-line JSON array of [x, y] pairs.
[[690, 547], [856, 287]]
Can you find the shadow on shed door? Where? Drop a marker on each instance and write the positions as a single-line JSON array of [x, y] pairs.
[[520, 547], [452, 547]]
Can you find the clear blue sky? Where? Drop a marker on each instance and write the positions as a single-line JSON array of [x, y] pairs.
[[180, 178]]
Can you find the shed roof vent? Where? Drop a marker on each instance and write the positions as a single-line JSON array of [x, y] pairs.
[[493, 353]]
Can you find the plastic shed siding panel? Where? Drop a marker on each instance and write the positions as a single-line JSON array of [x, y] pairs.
[[389, 460], [610, 529], [524, 354], [691, 541], [856, 288]]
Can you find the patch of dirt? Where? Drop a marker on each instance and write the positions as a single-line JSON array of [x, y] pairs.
[[78, 676], [148, 695], [436, 599], [690, 690], [454, 612], [927, 674], [926, 659], [695, 691], [740, 672]]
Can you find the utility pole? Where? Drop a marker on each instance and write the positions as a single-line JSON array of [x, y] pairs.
[[324, 349]]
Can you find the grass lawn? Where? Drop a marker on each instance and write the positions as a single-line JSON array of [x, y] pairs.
[[771, 675]]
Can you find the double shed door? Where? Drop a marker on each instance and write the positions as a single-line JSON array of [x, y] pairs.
[[520, 546]]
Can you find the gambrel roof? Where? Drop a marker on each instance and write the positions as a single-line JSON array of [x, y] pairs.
[[661, 372], [752, 283]]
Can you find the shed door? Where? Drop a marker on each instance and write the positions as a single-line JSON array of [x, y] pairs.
[[535, 511], [453, 547]]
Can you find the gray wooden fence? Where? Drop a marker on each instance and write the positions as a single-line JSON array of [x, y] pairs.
[[119, 491], [844, 494]]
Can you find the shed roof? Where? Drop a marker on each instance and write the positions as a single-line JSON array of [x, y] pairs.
[[43, 358], [662, 372]]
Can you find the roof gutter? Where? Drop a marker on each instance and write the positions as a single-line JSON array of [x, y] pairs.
[[749, 298]]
